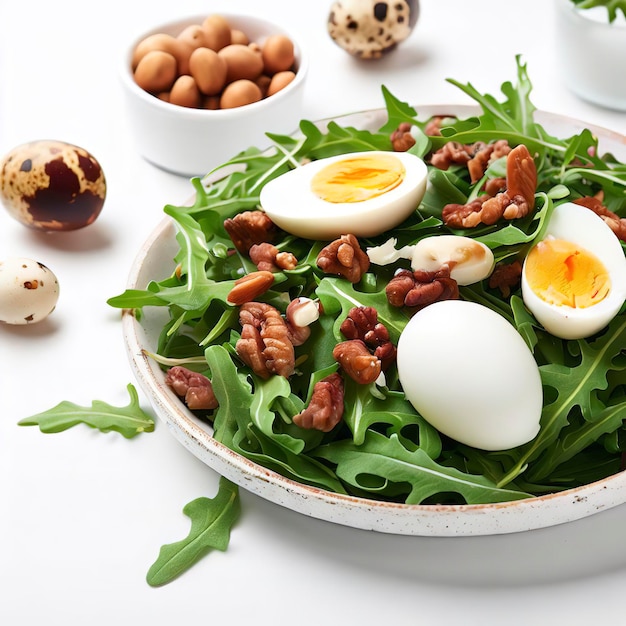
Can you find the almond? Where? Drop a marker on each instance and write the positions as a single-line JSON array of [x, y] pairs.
[[249, 287]]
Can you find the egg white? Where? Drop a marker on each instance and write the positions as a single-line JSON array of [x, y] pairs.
[[579, 225], [291, 204], [469, 373]]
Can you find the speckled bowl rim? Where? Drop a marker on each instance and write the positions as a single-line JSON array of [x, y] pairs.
[[154, 261]]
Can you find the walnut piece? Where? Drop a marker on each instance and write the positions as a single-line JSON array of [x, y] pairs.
[[401, 138], [196, 389], [505, 276], [250, 287], [344, 257], [421, 288], [357, 361], [362, 323], [516, 201], [433, 126], [325, 409], [267, 256], [265, 345], [248, 228], [477, 156], [595, 203]]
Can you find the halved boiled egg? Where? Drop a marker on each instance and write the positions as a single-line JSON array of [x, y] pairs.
[[574, 279], [361, 193], [468, 260]]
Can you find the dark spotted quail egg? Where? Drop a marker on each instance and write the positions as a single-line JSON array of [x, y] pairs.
[[368, 29], [52, 185], [28, 291]]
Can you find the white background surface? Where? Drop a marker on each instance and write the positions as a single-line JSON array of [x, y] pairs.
[[83, 514]]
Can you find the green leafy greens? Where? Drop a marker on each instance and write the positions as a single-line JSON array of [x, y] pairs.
[[612, 6], [129, 420], [211, 522], [384, 449]]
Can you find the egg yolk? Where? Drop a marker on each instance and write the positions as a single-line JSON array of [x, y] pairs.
[[562, 273], [358, 179]]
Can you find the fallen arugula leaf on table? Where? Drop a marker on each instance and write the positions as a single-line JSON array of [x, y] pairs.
[[129, 420], [211, 519], [211, 522]]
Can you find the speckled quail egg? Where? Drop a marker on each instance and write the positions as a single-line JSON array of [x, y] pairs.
[[574, 279], [469, 373], [359, 193], [29, 291], [52, 185], [368, 29]]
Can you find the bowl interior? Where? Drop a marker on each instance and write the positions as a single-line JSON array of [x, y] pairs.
[[154, 262]]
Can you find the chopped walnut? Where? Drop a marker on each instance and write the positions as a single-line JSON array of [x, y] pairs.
[[451, 153], [401, 138], [265, 345], [477, 156], [494, 186], [505, 276], [325, 409], [421, 288], [357, 361], [196, 389], [596, 204], [250, 227], [516, 201], [362, 323], [433, 127], [485, 156], [268, 257], [344, 257]]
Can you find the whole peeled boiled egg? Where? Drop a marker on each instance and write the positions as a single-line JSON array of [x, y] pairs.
[[360, 193], [574, 279], [469, 373]]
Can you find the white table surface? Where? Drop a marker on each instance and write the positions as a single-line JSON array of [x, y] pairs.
[[83, 514]]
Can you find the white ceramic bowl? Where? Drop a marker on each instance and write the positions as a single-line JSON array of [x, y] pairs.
[[191, 142], [592, 53], [155, 262]]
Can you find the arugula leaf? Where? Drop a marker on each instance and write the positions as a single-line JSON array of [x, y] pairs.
[[233, 393], [575, 386], [511, 119], [129, 420], [211, 524], [612, 6], [365, 409], [262, 415], [576, 438], [337, 295], [386, 459]]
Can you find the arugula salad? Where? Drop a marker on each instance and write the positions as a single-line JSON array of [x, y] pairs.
[[382, 449]]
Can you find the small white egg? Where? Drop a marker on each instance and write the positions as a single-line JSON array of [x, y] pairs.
[[574, 280], [469, 373], [362, 193], [29, 291]]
